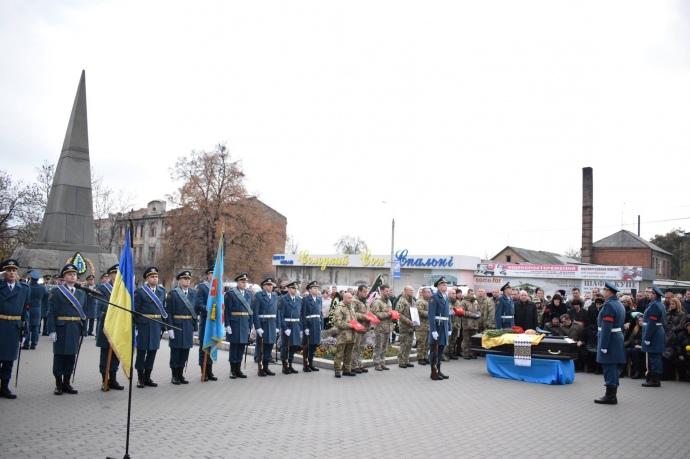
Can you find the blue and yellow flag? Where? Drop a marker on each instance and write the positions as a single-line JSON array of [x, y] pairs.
[[118, 323], [214, 333]]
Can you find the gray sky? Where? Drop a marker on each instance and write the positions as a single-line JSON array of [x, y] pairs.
[[471, 119]]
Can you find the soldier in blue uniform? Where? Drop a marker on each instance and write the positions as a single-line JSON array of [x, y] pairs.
[[38, 300], [44, 307], [289, 313], [66, 327], [439, 327], [654, 338], [202, 291], [265, 307], [505, 308], [610, 343], [180, 308], [14, 297], [238, 318], [149, 299], [91, 305], [312, 318], [105, 289]]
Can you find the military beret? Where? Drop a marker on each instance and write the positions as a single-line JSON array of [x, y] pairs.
[[610, 287], [113, 269], [90, 276], [184, 274], [68, 268], [440, 280], [658, 291], [505, 286], [312, 284], [210, 270], [292, 284], [149, 271], [10, 263], [268, 280], [241, 277]]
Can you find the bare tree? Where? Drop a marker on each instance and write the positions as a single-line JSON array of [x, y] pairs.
[[349, 245], [291, 244], [572, 253]]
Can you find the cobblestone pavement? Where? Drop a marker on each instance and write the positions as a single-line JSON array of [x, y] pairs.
[[398, 413]]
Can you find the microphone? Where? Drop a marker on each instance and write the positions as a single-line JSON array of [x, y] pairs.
[[87, 289]]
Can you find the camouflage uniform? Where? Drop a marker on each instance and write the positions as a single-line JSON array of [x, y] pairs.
[[469, 324], [451, 350], [361, 308], [406, 330], [381, 309], [346, 337], [422, 331], [487, 308]]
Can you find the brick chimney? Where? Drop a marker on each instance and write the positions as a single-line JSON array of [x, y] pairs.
[[587, 214]]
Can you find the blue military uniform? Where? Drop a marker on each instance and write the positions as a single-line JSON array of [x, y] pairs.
[[67, 327], [265, 308], [654, 338], [180, 309], [44, 306], [106, 290], [203, 289], [439, 322], [610, 343], [151, 303], [289, 318], [91, 310], [505, 310], [38, 300], [238, 317], [13, 311], [312, 318]]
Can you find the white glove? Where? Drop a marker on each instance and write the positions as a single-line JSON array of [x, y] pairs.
[[306, 332], [53, 337], [287, 332], [171, 334], [277, 330], [260, 332], [228, 330], [604, 351], [301, 334], [450, 333], [647, 343], [23, 341], [434, 335]]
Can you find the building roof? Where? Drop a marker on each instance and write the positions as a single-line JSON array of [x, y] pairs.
[[540, 257], [625, 239]]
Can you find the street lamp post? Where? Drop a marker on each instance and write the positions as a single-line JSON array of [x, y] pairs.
[[392, 276]]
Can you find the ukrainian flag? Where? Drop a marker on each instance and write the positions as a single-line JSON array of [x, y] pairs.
[[118, 325], [214, 332]]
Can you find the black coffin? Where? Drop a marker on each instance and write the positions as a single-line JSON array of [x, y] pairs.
[[551, 347]]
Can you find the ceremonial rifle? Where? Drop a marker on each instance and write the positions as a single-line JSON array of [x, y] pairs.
[[19, 355]]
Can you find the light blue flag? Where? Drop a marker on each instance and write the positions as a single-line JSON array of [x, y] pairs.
[[214, 333]]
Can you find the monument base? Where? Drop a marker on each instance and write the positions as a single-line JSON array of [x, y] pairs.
[[51, 260]]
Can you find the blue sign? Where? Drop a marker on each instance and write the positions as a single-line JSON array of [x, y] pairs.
[[396, 269], [401, 256]]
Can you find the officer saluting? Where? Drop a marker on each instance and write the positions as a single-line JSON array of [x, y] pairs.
[[202, 291], [654, 338], [14, 296], [439, 327], [311, 325], [66, 326], [610, 346], [265, 306], [180, 309], [505, 309], [238, 313], [289, 312], [150, 301], [105, 290]]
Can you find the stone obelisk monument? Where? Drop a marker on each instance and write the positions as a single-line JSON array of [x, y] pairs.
[[68, 225]]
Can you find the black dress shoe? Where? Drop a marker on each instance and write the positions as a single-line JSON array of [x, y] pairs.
[[364, 370], [409, 365], [402, 365], [113, 384], [443, 376], [337, 374], [349, 373]]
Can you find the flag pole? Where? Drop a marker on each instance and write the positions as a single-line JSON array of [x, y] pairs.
[[131, 356]]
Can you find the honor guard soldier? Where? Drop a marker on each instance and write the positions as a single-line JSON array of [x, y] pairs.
[[439, 325], [343, 315], [406, 327], [505, 308], [361, 308], [312, 318], [202, 291], [14, 297], [38, 300], [381, 308], [66, 327], [289, 312], [106, 289], [44, 307], [179, 304], [654, 338], [91, 305], [150, 301], [265, 307], [238, 314], [610, 345], [422, 331]]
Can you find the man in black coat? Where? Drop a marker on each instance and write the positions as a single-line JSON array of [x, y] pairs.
[[526, 312]]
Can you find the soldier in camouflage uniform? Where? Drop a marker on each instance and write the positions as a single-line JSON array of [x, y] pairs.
[[422, 331], [405, 326], [382, 309], [487, 309], [361, 308], [345, 341], [470, 322], [451, 351]]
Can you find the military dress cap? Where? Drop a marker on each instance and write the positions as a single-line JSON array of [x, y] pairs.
[[210, 270], [292, 284], [113, 269], [268, 280], [10, 263], [149, 271], [312, 284], [35, 275], [658, 291], [440, 280], [184, 274], [241, 277], [505, 286], [610, 287], [90, 276], [68, 268]]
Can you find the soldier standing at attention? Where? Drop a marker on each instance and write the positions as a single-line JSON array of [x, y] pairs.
[[265, 307], [423, 329], [38, 295], [439, 325], [487, 309], [311, 325], [180, 310], [470, 322], [406, 328], [610, 344], [289, 312], [451, 350], [202, 292], [14, 296], [505, 308], [91, 305], [361, 308], [238, 314], [654, 338], [344, 313], [105, 290], [382, 309], [150, 301]]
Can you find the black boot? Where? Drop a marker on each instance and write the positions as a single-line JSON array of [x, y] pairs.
[[113, 384], [610, 397], [180, 376], [209, 373], [292, 370], [5, 390], [261, 372], [238, 371], [66, 387], [233, 373], [286, 370], [653, 380], [58, 385], [140, 379], [311, 365], [305, 366], [175, 379], [147, 379], [267, 370]]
